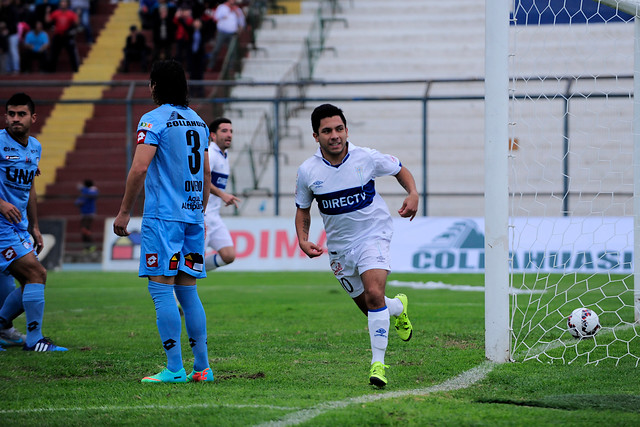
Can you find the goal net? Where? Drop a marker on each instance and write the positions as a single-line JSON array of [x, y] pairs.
[[571, 180]]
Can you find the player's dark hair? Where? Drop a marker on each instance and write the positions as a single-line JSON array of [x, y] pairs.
[[21, 99], [215, 124], [322, 112], [170, 83]]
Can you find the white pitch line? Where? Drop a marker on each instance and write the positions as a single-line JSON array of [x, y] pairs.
[[111, 408], [464, 288], [463, 380]]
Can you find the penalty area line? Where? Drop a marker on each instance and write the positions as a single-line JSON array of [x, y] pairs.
[[463, 380]]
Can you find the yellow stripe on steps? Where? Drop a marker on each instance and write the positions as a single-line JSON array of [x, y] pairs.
[[66, 121]]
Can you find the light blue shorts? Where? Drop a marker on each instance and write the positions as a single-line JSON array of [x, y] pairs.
[[14, 244], [347, 266], [167, 247]]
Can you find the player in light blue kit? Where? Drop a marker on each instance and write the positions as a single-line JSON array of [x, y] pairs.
[[19, 222], [341, 176], [172, 162], [222, 251]]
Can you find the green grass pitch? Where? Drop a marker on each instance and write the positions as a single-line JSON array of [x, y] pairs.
[[291, 349]]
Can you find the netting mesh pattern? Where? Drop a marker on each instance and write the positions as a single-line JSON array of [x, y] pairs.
[[571, 180]]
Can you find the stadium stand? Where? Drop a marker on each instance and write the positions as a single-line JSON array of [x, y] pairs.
[[89, 141], [411, 41]]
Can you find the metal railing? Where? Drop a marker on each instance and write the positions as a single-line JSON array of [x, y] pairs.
[[272, 127]]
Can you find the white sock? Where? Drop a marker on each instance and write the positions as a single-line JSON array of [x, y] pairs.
[[379, 333], [394, 305], [211, 262]]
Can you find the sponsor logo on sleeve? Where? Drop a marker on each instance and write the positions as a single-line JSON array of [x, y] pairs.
[[142, 134]]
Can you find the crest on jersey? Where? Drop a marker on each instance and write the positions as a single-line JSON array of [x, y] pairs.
[[175, 116], [336, 267], [145, 125]]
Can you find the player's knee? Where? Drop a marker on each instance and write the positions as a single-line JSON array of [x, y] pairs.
[[37, 274], [228, 255], [374, 299]]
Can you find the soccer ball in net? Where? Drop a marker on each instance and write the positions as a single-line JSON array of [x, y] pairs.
[[583, 323]]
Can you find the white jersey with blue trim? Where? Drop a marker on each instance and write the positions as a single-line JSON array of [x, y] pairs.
[[347, 199], [18, 167], [174, 181], [220, 170]]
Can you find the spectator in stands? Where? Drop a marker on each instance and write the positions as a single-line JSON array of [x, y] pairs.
[[10, 12], [64, 21], [183, 21], [197, 58], [229, 21], [4, 46], [82, 8], [136, 50], [36, 48], [163, 33], [146, 12], [40, 8], [207, 17], [87, 205]]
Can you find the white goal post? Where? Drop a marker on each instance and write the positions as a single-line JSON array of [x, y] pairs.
[[548, 183]]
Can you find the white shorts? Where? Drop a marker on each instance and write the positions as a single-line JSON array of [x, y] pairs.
[[347, 266], [218, 235]]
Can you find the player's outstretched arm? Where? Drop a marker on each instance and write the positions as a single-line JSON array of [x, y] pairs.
[[303, 222], [410, 204]]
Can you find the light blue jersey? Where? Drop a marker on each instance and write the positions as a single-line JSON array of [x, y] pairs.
[[174, 182], [18, 167]]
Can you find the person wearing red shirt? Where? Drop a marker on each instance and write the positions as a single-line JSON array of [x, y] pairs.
[[64, 22]]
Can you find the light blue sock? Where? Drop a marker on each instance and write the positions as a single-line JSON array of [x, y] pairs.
[[169, 323], [12, 306], [196, 322], [33, 302]]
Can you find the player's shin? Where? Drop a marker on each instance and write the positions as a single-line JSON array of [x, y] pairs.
[[379, 333], [169, 323], [196, 324]]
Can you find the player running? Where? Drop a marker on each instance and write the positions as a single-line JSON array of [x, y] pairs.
[[218, 236], [340, 176]]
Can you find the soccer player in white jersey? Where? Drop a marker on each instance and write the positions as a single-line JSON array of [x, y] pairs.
[[19, 222], [171, 161], [340, 176], [219, 245]]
